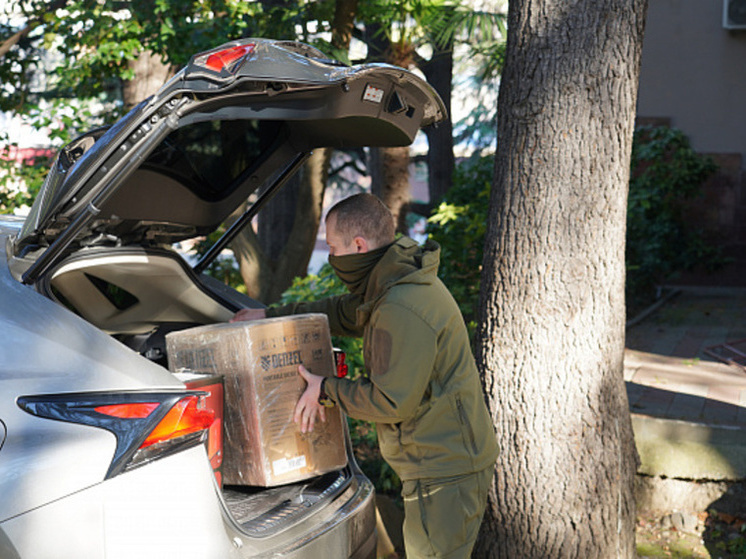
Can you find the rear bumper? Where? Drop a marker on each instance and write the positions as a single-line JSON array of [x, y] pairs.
[[168, 508], [345, 529], [171, 508], [368, 548]]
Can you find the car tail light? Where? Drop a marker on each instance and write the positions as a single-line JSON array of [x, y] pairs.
[[128, 411], [182, 419], [212, 385], [147, 426], [339, 359], [223, 59]]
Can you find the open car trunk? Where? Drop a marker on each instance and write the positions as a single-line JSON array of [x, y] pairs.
[[138, 295]]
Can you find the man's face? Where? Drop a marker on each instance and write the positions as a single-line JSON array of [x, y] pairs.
[[337, 245]]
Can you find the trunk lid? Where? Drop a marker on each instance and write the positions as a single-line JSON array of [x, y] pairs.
[[229, 124]]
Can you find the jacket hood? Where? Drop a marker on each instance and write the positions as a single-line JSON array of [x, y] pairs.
[[404, 262]]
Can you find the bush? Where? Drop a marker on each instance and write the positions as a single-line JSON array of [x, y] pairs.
[[458, 225], [666, 174]]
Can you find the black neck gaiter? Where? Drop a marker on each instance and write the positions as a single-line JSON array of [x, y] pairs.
[[354, 269]]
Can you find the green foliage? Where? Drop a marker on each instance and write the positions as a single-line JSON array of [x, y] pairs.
[[13, 175], [458, 225], [666, 175], [484, 32], [97, 41], [223, 268], [20, 181], [319, 286], [65, 76], [363, 433]]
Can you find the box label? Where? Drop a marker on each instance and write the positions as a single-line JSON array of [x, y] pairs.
[[285, 465]]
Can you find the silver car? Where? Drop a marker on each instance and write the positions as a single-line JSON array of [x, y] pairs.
[[103, 451]]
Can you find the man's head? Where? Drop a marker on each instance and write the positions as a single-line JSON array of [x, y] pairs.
[[357, 224]]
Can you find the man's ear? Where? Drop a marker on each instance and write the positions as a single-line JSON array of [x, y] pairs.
[[361, 245]]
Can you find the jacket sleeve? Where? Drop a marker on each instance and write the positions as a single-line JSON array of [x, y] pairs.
[[340, 310], [399, 359]]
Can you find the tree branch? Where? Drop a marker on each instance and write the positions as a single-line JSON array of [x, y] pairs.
[[13, 40]]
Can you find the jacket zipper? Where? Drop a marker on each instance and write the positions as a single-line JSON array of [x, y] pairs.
[[467, 424]]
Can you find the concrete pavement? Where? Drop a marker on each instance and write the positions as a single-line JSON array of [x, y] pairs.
[[689, 407]]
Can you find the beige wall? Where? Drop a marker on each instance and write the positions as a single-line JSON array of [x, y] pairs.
[[694, 73]]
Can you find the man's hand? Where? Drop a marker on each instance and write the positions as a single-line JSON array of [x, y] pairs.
[[249, 314], [308, 406]]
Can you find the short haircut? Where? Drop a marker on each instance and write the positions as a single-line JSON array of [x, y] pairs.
[[366, 216]]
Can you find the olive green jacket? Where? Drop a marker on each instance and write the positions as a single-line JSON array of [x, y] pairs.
[[421, 386]]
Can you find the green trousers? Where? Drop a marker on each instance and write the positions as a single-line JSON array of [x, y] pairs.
[[442, 516]]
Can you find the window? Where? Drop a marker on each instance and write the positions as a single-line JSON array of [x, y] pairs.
[[212, 157]]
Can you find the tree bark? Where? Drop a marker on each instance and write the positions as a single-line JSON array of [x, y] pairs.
[[440, 160], [150, 74], [389, 166], [268, 268], [343, 23], [550, 340]]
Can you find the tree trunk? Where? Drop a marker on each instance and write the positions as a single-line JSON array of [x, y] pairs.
[[276, 218], [550, 341], [343, 23], [389, 166], [150, 74], [440, 161], [268, 268]]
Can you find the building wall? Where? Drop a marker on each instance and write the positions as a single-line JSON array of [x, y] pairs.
[[693, 76], [694, 73]]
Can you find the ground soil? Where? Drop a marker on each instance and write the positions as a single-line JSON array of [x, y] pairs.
[[716, 536]]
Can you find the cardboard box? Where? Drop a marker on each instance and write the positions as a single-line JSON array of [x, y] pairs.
[[259, 364]]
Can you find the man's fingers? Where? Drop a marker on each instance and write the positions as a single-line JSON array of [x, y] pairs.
[[248, 314], [314, 410], [306, 419], [305, 415]]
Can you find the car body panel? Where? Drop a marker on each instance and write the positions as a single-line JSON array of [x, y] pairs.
[[172, 509], [40, 461], [169, 509], [46, 349], [51, 350]]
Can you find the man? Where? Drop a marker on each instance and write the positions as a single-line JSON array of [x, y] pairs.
[[421, 386]]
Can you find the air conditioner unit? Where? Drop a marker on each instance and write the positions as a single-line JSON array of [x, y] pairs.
[[734, 14]]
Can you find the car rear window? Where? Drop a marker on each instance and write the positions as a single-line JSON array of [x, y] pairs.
[[212, 157]]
